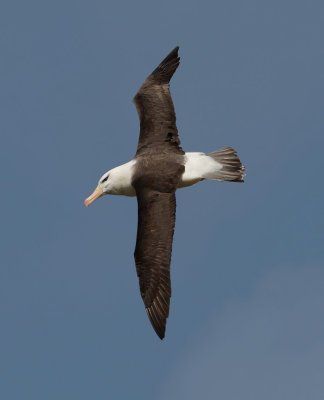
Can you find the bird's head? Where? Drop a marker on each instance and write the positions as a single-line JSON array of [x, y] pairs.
[[104, 187]]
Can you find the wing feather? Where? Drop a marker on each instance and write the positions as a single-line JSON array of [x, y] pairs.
[[153, 254], [156, 220], [155, 108]]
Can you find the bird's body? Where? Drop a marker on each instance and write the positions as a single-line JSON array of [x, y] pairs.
[[158, 169], [197, 166]]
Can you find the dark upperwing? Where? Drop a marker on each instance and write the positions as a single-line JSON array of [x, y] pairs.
[[156, 177], [156, 218], [158, 129]]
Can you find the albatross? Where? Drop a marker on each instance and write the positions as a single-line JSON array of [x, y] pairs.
[[159, 168]]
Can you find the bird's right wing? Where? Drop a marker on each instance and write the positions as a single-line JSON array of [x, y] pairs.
[[158, 130]]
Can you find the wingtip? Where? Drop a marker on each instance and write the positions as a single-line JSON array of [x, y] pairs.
[[165, 70], [158, 327], [161, 334], [174, 52]]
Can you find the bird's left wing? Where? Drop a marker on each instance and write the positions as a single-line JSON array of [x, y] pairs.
[[156, 219]]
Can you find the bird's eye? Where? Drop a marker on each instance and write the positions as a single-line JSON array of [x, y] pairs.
[[104, 180]]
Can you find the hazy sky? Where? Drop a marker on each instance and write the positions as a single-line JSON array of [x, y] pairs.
[[247, 270]]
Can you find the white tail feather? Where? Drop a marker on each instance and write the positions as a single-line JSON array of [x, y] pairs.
[[220, 165]]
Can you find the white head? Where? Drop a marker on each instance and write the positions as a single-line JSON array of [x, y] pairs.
[[104, 187], [116, 181]]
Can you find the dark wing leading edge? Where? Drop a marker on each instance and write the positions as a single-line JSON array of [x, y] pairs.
[[156, 219], [158, 130]]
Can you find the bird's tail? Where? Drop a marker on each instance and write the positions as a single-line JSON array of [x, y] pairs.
[[232, 168]]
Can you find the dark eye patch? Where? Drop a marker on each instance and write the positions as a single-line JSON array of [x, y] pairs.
[[104, 180]]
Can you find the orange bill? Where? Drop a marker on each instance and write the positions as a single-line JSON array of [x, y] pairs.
[[95, 195]]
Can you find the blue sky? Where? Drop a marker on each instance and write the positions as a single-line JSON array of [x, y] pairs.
[[247, 268]]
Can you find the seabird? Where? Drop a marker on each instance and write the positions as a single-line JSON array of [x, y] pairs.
[[159, 168]]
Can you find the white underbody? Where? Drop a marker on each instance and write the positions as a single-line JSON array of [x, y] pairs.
[[197, 167]]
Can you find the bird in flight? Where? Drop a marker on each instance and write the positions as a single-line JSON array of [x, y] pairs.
[[159, 168]]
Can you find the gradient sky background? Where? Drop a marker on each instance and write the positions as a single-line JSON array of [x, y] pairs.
[[246, 316]]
